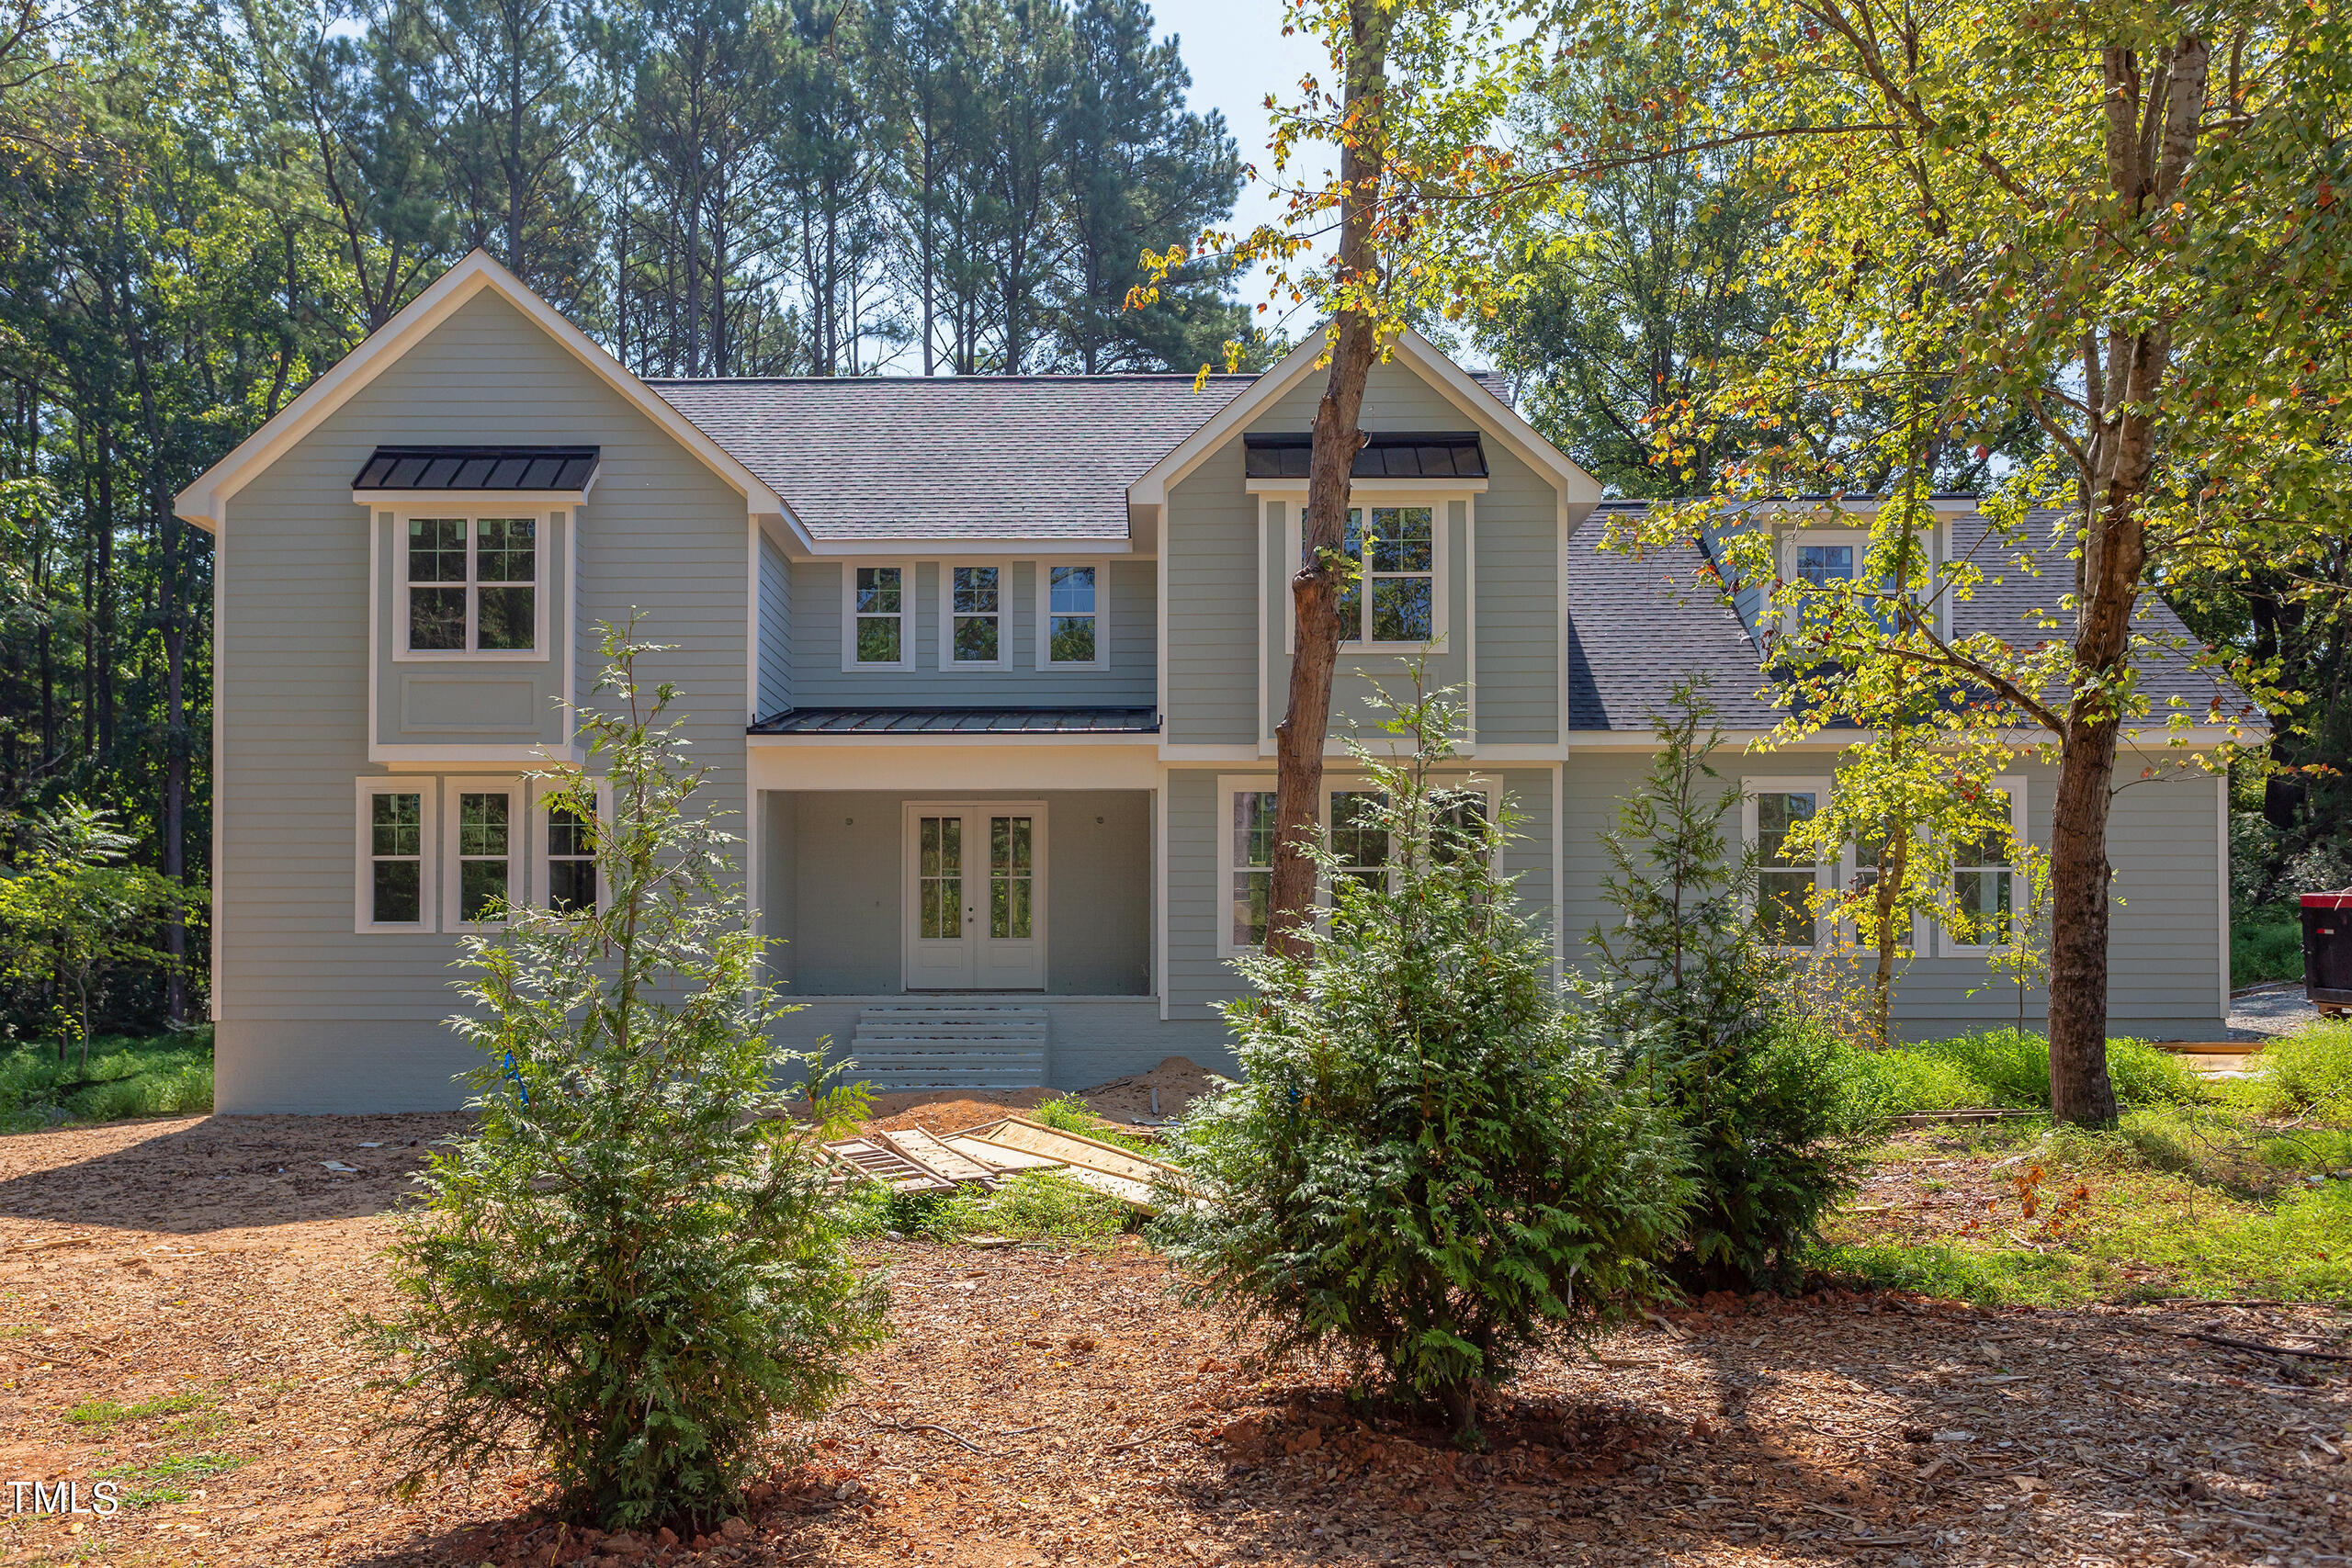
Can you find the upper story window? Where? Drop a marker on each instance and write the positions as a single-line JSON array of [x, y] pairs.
[[472, 585], [1071, 629], [876, 631], [976, 616], [1397, 600]]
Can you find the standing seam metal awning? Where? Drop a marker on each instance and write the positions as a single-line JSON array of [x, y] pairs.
[[960, 721], [1386, 454], [478, 467]]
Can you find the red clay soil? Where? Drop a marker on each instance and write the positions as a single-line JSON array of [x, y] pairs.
[[1039, 1407]]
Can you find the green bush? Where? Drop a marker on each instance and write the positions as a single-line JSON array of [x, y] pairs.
[[1426, 1168], [629, 1269], [1072, 1115], [1900, 1082], [1028, 1205], [1685, 979], [2266, 944], [2307, 1073]]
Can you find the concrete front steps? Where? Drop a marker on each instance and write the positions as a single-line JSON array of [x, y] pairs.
[[900, 1048]]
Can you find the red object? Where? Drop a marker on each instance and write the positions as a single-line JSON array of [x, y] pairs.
[[2328, 900]]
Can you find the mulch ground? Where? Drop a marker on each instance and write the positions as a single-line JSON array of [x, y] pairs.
[[1040, 1407]]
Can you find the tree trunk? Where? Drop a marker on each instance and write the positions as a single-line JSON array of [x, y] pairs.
[[1353, 345]]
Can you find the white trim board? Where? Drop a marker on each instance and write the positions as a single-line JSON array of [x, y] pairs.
[[206, 502]]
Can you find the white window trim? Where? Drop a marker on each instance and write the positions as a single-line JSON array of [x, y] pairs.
[[1228, 786], [1102, 659], [947, 660], [908, 577], [1823, 871], [1947, 943], [519, 858], [1366, 497], [363, 903], [543, 528], [542, 790], [1858, 537]]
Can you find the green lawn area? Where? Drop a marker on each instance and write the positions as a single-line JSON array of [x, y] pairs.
[[163, 1074], [2239, 1189]]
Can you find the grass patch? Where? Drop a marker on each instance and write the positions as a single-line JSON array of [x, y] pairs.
[[2307, 1075], [2001, 1068], [104, 1412], [166, 1480], [2204, 1198], [1070, 1114], [165, 1075], [1030, 1205]]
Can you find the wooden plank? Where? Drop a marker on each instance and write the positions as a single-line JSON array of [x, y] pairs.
[[1072, 1148], [1136, 1195], [1000, 1158], [877, 1162], [930, 1154]]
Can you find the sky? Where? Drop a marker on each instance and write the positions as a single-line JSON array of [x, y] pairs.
[[1237, 54]]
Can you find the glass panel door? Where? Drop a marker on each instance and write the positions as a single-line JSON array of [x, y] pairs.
[[940, 944], [1012, 948]]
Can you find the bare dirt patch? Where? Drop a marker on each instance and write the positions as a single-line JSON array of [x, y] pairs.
[[1040, 1407]]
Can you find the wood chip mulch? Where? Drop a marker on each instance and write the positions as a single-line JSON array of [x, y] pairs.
[[1043, 1408]]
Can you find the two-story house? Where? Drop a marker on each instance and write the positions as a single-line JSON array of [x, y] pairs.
[[988, 667]]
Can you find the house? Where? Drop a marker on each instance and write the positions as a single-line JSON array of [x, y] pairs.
[[988, 667]]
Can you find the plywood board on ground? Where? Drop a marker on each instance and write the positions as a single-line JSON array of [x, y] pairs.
[[927, 1151], [878, 1162], [1001, 1157], [1071, 1148]]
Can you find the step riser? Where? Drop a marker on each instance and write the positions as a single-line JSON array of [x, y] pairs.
[[934, 1048]]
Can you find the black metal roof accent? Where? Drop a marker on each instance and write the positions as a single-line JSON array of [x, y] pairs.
[[478, 467], [960, 721], [1386, 454]]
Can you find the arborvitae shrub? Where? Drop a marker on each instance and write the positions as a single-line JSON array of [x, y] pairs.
[[1426, 1167]]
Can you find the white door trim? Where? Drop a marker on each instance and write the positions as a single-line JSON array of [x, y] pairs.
[[989, 961]]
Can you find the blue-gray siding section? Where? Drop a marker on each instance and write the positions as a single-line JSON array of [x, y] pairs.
[[312, 1015], [775, 628]]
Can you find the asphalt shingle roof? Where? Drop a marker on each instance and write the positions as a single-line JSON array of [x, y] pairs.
[[953, 457], [1636, 625]]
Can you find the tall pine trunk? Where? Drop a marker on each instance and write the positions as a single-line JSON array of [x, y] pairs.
[[1353, 346]]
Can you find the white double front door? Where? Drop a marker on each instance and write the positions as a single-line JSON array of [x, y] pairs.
[[975, 895]]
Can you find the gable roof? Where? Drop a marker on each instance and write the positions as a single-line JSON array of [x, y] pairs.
[[1638, 623], [1484, 407], [205, 503], [889, 457]]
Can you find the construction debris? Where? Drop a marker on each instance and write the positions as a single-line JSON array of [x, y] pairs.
[[913, 1160]]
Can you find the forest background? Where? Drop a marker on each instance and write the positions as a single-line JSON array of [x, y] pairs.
[[204, 207]]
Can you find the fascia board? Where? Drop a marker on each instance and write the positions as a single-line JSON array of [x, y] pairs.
[[1151, 489], [205, 503]]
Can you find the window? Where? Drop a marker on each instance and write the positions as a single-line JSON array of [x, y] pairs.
[[1250, 868], [1461, 824], [1011, 877], [571, 858], [482, 845], [939, 879], [1359, 839], [472, 585], [1396, 599], [396, 848], [1786, 879], [876, 632], [394, 872], [1861, 862], [1070, 630], [1983, 879], [974, 616]]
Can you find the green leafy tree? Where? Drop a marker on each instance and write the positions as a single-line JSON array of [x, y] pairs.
[[1688, 983], [629, 1266], [75, 907], [2124, 222], [1426, 1167]]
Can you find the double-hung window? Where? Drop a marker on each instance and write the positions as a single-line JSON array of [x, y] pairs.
[[878, 633], [1394, 598], [1070, 625], [483, 843], [471, 585], [396, 854], [975, 629], [1786, 877], [1984, 878], [1249, 866], [570, 857], [1359, 839]]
